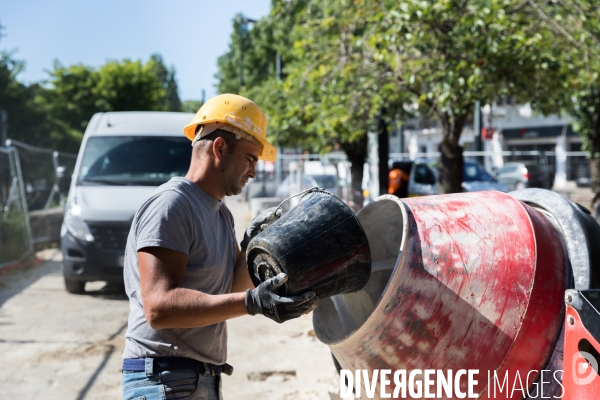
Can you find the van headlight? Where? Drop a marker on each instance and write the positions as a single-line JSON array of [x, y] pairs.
[[76, 225]]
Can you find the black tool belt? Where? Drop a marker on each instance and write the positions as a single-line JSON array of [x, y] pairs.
[[174, 364]]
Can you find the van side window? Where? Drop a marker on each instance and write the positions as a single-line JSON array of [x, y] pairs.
[[424, 175]]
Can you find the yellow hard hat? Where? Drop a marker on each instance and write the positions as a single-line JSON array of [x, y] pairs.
[[238, 112]]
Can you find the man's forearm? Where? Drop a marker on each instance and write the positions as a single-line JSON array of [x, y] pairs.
[[187, 308], [241, 276]]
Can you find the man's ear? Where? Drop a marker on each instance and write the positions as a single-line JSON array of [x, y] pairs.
[[219, 148]]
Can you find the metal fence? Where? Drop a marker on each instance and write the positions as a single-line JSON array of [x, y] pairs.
[[15, 233], [27, 183], [39, 172], [576, 163], [270, 176], [575, 168]]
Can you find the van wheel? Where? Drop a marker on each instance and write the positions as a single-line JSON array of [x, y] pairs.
[[74, 286]]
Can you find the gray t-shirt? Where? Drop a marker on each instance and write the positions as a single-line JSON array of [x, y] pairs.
[[182, 217]]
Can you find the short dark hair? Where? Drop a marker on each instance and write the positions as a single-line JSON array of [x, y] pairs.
[[228, 137]]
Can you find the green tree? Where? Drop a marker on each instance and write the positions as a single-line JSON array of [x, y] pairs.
[[25, 123], [327, 99], [17, 100], [347, 61], [68, 103], [573, 27], [128, 86], [25, 120], [447, 54], [170, 100], [307, 106], [75, 93], [191, 106], [256, 47], [228, 74]]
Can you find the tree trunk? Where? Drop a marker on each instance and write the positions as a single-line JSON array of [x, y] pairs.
[[595, 174], [450, 163], [357, 155], [383, 150]]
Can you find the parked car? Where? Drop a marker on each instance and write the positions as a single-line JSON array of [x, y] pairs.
[[258, 188], [288, 188], [583, 181], [424, 178], [326, 181], [123, 157], [521, 175]]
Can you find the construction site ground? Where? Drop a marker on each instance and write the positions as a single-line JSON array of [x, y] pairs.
[[56, 345]]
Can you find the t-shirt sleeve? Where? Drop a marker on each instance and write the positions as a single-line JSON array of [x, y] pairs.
[[229, 217], [165, 220]]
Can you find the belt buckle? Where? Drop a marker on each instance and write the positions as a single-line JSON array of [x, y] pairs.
[[212, 370]]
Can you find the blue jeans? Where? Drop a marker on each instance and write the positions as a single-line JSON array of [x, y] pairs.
[[163, 385]]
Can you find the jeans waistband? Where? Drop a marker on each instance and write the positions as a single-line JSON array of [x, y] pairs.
[[151, 365]]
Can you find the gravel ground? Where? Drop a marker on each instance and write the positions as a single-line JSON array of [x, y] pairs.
[[56, 345]]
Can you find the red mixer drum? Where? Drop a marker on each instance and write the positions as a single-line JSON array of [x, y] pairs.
[[470, 281]]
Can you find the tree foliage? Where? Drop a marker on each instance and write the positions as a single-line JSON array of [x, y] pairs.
[[348, 64], [74, 93], [55, 113], [313, 103], [17, 99], [334, 91], [258, 45], [251, 47], [573, 28], [191, 106], [447, 54]]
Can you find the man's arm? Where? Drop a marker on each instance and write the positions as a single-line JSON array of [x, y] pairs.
[[241, 276], [168, 305]]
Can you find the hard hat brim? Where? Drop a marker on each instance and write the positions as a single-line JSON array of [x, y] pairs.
[[268, 152]]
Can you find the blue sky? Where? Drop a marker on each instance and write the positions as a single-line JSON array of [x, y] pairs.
[[190, 35]]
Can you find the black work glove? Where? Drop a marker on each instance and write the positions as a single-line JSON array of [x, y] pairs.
[[262, 220], [263, 300]]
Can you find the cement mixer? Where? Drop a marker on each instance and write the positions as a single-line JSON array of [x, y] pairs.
[[473, 295]]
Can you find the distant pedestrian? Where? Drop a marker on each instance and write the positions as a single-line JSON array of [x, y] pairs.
[[398, 179]]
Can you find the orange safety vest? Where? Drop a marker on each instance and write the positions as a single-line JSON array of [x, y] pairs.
[[397, 179]]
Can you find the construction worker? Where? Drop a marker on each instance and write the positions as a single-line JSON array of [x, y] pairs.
[[184, 273], [398, 181]]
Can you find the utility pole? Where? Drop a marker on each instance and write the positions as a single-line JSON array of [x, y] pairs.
[[383, 146], [477, 124], [399, 128], [243, 22]]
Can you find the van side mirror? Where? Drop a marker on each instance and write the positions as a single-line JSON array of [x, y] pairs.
[[63, 179]]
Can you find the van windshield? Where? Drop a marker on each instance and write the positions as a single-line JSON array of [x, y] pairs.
[[134, 160]]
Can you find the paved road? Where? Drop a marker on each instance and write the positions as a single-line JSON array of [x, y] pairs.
[[56, 345]]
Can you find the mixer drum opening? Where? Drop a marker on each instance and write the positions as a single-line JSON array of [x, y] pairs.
[[339, 316]]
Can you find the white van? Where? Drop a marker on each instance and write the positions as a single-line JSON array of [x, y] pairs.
[[123, 157]]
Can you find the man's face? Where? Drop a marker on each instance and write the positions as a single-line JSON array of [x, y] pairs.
[[239, 166]]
